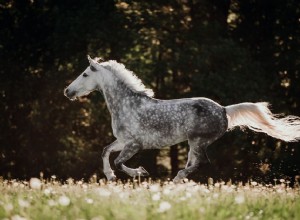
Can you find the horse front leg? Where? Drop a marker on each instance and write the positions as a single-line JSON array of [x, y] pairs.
[[128, 151], [113, 147]]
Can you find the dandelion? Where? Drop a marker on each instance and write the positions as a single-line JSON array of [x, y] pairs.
[[23, 203], [253, 183], [15, 184], [103, 192], [70, 181], [205, 190], [183, 198], [84, 186], [8, 207], [47, 191], [280, 190], [89, 201], [202, 210], [239, 199], [51, 202], [35, 183], [188, 195], [123, 195], [98, 218], [215, 195], [154, 188], [17, 217], [164, 206], [166, 191], [210, 181], [156, 197], [64, 201]]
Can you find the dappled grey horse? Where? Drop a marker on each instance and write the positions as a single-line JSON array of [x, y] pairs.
[[142, 122]]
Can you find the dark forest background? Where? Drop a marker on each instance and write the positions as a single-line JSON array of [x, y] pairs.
[[230, 51]]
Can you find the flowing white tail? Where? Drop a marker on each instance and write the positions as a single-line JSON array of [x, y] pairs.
[[258, 117]]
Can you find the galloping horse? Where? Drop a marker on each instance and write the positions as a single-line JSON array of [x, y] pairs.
[[141, 122]]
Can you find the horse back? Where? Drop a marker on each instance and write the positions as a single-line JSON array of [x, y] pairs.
[[160, 123]]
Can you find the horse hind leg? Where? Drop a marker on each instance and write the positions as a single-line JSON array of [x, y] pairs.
[[196, 156], [128, 151]]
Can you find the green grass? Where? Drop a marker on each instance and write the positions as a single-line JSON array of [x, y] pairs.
[[98, 201]]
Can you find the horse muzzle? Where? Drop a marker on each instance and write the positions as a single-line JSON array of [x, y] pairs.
[[70, 94]]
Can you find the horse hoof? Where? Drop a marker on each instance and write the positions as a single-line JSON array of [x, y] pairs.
[[177, 180], [142, 172], [112, 179]]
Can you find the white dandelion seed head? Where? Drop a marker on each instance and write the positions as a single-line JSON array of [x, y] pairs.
[[188, 195], [53, 177], [47, 191], [89, 201], [98, 218], [154, 188], [103, 192], [215, 195], [23, 203], [64, 201], [182, 198], [156, 197], [124, 195], [18, 217], [239, 199], [8, 207], [51, 202], [35, 183], [253, 183], [217, 185], [164, 206], [166, 191], [202, 210], [280, 190]]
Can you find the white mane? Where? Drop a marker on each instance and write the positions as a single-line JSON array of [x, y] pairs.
[[127, 77]]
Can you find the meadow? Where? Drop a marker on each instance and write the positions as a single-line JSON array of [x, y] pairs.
[[99, 200]]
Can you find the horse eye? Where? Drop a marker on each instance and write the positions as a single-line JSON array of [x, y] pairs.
[[84, 74]]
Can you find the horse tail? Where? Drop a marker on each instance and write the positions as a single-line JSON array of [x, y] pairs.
[[258, 117]]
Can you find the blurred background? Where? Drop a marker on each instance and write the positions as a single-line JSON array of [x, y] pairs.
[[230, 51]]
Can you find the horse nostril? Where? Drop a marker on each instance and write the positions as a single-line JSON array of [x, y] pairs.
[[66, 91]]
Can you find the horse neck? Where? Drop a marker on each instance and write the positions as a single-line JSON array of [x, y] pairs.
[[117, 95]]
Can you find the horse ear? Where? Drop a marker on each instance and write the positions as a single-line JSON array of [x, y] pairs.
[[90, 59], [93, 63]]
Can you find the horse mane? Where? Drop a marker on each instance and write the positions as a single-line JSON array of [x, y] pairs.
[[127, 77]]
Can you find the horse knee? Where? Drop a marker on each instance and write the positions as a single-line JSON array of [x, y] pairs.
[[104, 152]]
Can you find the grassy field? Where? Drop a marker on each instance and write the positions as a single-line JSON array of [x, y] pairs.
[[40, 199]]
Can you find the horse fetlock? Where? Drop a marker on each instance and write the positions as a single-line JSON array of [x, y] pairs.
[[112, 178], [177, 180], [135, 172], [110, 175], [141, 172], [180, 176]]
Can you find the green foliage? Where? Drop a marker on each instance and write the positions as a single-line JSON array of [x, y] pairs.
[[230, 51]]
